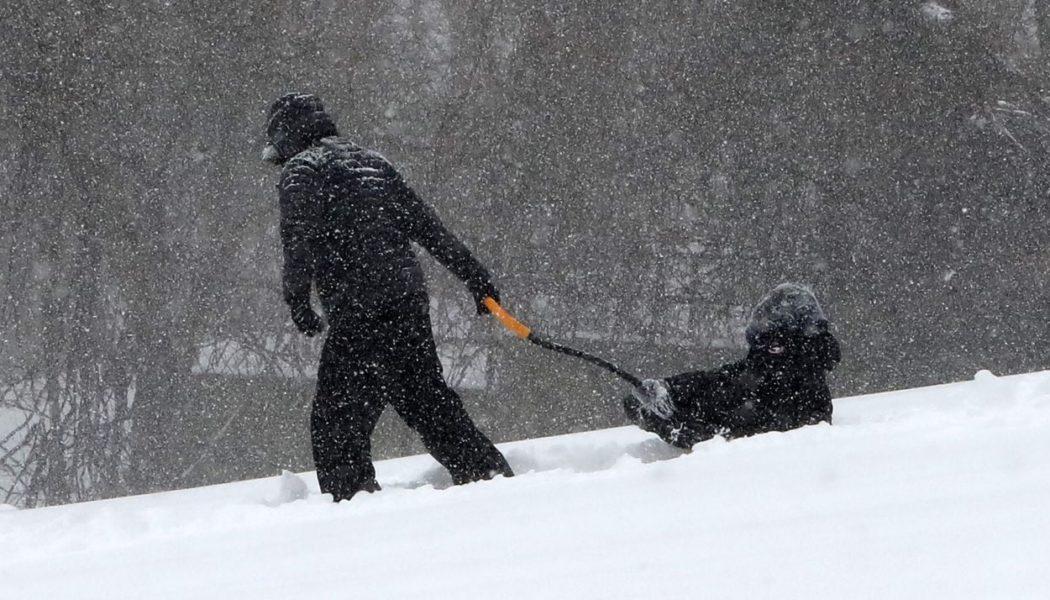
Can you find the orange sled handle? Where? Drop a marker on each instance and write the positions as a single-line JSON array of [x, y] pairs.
[[515, 326]]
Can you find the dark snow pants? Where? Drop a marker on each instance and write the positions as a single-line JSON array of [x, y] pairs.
[[673, 432], [390, 358]]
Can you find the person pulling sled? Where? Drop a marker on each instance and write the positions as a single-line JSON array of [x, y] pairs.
[[348, 221]]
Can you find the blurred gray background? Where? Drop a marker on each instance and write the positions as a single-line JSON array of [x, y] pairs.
[[635, 174]]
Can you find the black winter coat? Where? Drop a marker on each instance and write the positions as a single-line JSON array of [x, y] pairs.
[[763, 392], [347, 223]]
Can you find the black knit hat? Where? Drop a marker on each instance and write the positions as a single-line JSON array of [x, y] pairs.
[[295, 122]]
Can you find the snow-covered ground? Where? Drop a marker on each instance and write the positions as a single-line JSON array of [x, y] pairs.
[[941, 492]]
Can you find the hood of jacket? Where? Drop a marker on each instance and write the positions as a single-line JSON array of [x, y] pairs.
[[295, 122]]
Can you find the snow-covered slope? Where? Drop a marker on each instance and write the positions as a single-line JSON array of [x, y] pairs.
[[941, 492]]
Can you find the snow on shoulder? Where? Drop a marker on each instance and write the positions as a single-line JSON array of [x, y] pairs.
[[937, 492]]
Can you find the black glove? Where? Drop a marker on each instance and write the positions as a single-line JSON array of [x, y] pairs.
[[481, 290], [822, 350], [306, 320]]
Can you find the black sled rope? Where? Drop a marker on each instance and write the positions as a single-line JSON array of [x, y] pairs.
[[521, 330]]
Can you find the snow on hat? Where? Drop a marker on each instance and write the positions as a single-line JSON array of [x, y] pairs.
[[789, 307], [295, 122]]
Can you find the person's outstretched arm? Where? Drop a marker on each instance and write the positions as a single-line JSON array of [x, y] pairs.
[[669, 408], [421, 223]]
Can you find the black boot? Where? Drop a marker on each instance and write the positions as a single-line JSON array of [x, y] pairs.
[[343, 483]]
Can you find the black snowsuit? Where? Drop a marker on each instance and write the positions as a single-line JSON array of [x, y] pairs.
[[763, 392], [348, 221]]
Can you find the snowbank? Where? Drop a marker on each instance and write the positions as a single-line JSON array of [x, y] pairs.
[[938, 492]]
